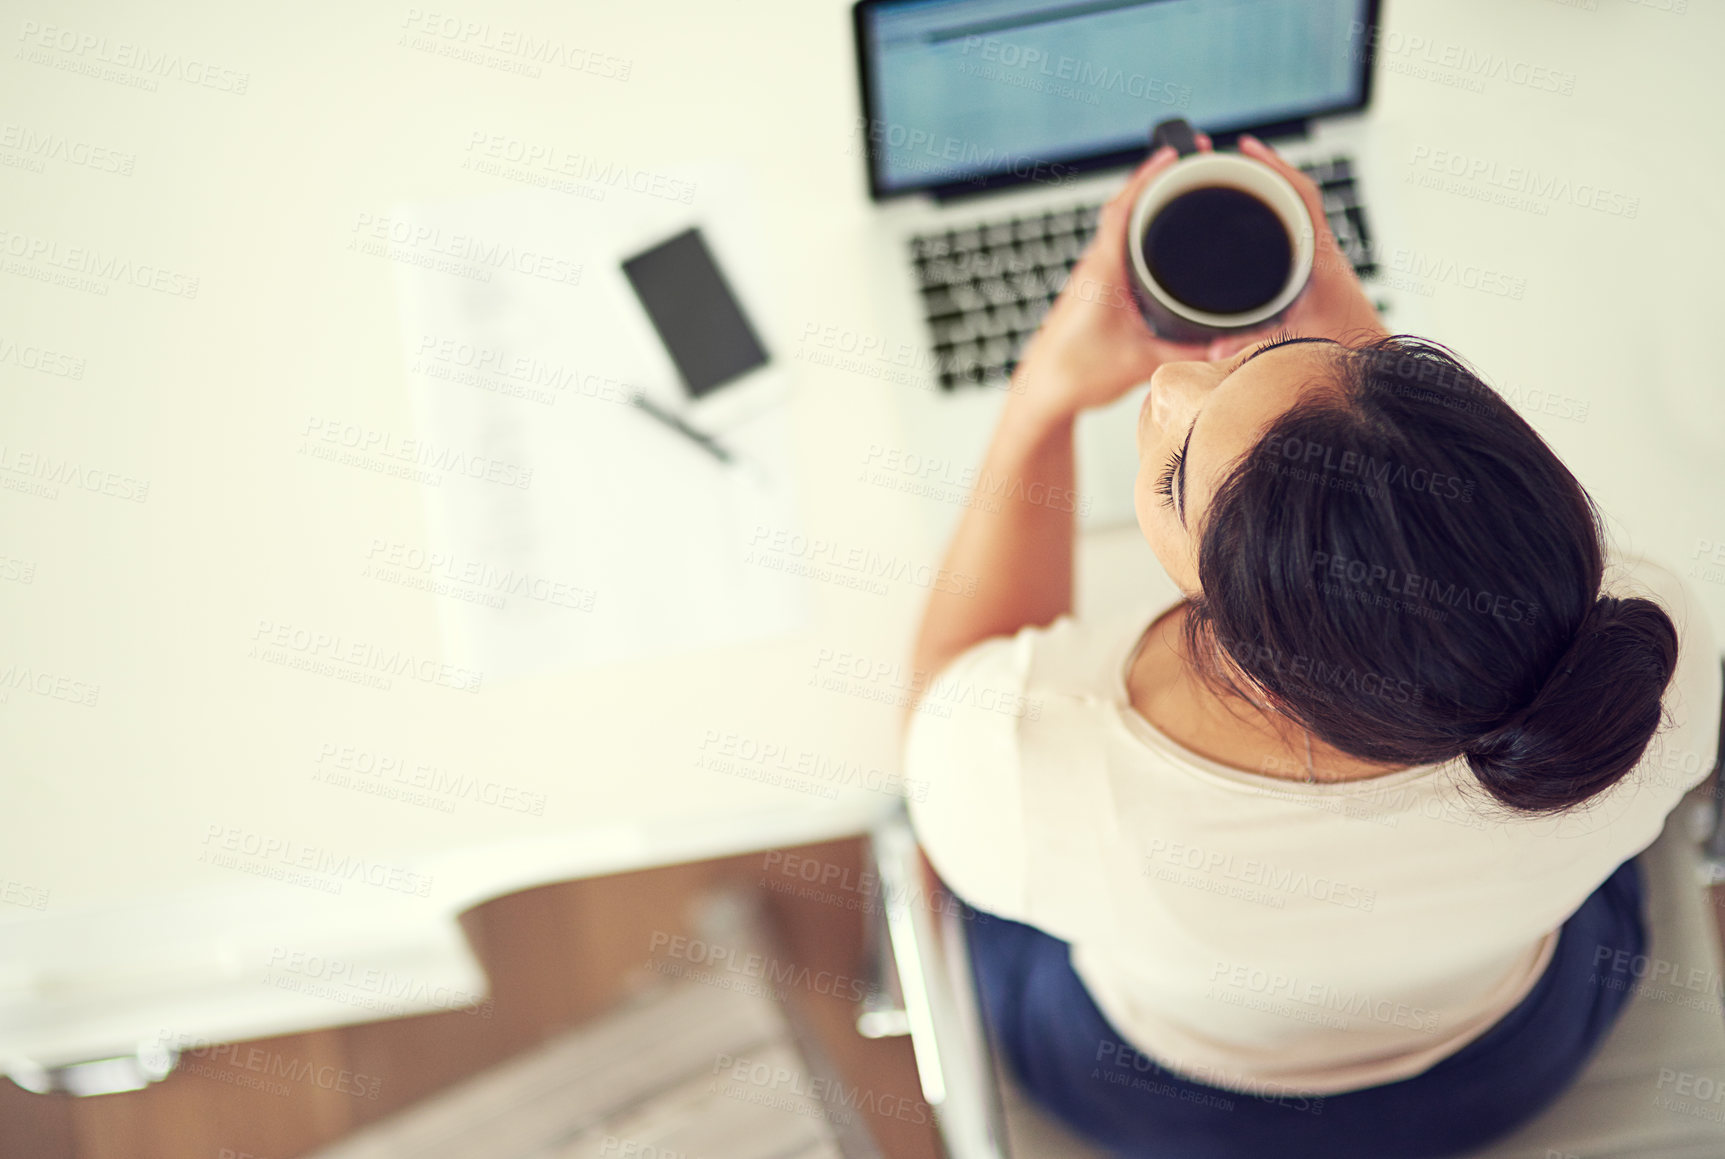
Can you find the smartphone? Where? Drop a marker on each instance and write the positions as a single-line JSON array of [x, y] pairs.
[[694, 312]]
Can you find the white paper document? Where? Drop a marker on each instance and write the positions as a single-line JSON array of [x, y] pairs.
[[582, 531]]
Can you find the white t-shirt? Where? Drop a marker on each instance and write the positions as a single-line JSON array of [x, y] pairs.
[[1261, 934]]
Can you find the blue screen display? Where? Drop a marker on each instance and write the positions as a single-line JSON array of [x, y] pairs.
[[963, 88]]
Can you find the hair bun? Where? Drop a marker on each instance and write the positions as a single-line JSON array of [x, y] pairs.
[[1591, 720]]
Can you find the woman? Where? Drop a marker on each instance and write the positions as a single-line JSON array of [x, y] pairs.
[[1332, 853]]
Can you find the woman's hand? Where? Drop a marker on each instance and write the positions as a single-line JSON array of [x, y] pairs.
[[1093, 346], [1334, 304]]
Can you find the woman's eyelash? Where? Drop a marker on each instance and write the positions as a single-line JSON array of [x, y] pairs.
[[1279, 338], [1165, 485]]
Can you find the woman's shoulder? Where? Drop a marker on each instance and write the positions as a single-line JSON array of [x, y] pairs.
[[1088, 655], [1078, 654], [991, 692]]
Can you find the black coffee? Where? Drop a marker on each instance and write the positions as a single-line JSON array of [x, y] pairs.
[[1219, 249]]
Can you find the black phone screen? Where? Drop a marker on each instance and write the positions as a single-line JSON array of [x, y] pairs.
[[697, 317]]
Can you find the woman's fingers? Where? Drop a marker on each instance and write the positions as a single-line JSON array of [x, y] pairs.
[[1114, 213], [1146, 173], [1256, 149], [1302, 183], [1229, 345], [1308, 190], [1121, 203], [1259, 151], [1183, 351]]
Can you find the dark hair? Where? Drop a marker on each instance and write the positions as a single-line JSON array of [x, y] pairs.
[[1403, 566]]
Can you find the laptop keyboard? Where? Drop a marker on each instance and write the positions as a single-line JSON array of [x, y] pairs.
[[985, 288]]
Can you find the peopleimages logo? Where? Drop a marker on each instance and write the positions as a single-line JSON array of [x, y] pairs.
[[329, 653], [1538, 187], [780, 549], [53, 473], [1360, 573], [1165, 859], [233, 846], [962, 155], [104, 267], [790, 1089], [748, 971], [41, 146], [1320, 678], [1245, 979], [270, 1063], [1466, 63], [963, 482], [1319, 459], [91, 50], [367, 987], [1086, 75]]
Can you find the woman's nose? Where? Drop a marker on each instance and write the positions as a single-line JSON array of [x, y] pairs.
[[1170, 391]]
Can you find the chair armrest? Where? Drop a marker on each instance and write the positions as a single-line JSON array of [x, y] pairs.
[[1713, 788], [932, 963]]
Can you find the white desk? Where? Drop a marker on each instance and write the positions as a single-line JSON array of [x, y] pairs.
[[114, 923]]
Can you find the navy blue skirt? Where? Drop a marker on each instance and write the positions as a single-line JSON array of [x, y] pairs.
[[1078, 1068]]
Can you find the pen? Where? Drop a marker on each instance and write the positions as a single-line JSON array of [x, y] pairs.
[[705, 441]]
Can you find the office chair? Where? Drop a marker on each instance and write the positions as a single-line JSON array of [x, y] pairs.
[[1655, 1089]]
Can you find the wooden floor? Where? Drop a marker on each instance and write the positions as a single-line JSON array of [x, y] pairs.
[[558, 957], [688, 1069]]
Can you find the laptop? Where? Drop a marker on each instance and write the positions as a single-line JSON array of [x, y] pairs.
[[995, 129]]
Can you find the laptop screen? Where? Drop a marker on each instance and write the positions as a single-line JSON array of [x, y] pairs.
[[966, 91]]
